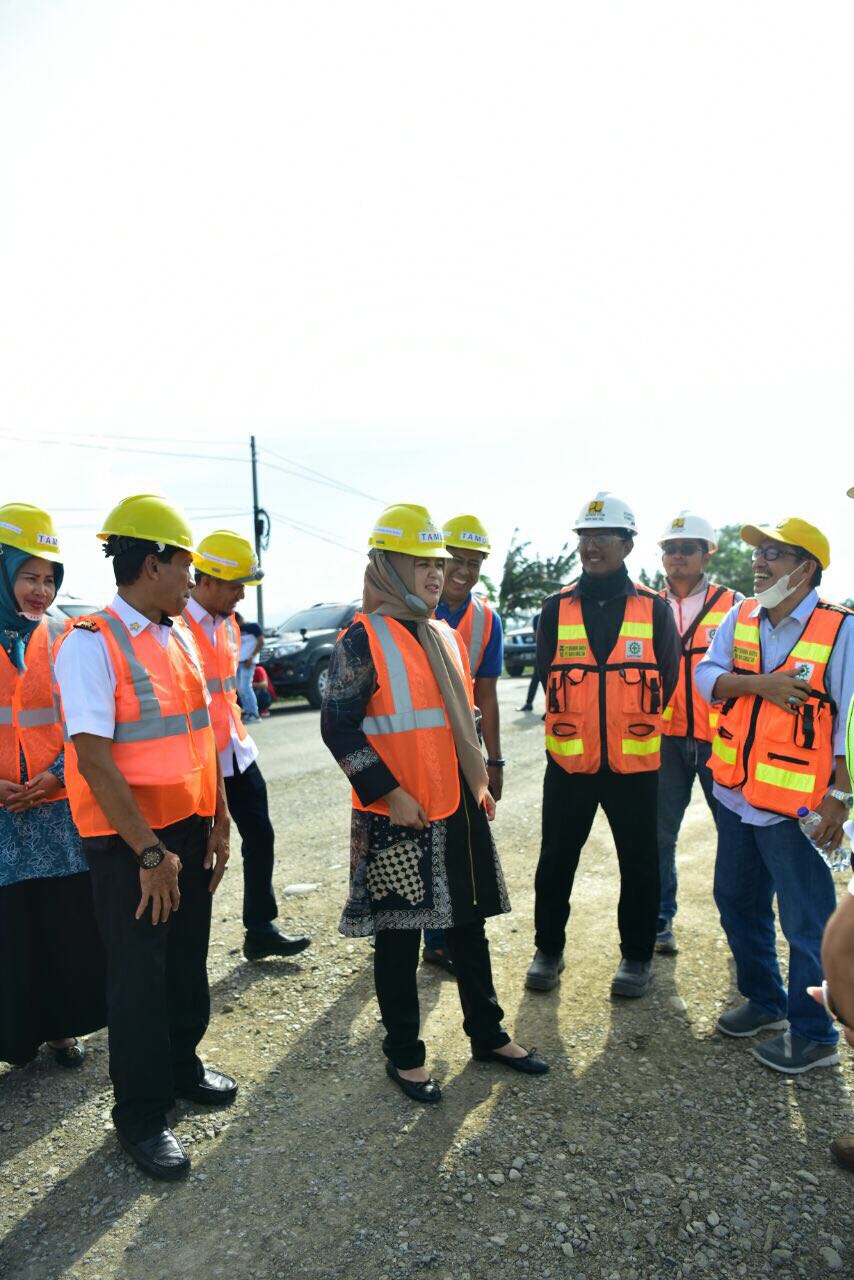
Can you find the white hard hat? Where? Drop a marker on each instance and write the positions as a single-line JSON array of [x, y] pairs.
[[606, 512], [688, 525]]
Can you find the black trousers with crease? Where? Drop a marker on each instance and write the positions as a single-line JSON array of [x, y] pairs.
[[395, 970], [247, 803]]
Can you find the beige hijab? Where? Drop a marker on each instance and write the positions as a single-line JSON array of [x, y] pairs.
[[385, 573]]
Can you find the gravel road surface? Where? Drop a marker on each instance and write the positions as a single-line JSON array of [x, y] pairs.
[[654, 1148]]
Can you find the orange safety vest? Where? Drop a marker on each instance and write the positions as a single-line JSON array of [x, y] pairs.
[[30, 719], [405, 719], [688, 715], [609, 712], [475, 629], [220, 661], [163, 742], [779, 760]]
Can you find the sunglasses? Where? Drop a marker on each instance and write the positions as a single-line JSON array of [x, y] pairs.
[[828, 1004], [681, 548], [599, 539], [770, 554]]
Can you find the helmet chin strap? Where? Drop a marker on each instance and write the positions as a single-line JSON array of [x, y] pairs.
[[415, 603]]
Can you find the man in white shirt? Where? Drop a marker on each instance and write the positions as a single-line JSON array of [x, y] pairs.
[[144, 785], [225, 565]]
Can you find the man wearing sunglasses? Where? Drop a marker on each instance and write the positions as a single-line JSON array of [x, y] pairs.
[[699, 607], [608, 657], [781, 670]]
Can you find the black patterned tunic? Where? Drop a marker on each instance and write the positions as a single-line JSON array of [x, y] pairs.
[[401, 878]]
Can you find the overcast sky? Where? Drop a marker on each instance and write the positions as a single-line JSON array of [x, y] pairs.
[[483, 256]]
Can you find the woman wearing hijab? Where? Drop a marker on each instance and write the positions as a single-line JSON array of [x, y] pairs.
[[52, 979], [399, 719]]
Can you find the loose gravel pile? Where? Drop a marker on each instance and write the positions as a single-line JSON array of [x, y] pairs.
[[653, 1149]]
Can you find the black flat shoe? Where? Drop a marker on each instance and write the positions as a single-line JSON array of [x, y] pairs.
[[161, 1156], [530, 1065], [69, 1055], [419, 1090], [440, 959], [258, 945], [215, 1089]]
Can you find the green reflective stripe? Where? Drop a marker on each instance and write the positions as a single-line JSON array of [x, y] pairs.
[[478, 627], [811, 652], [667, 714], [404, 718], [729, 755], [572, 631], [5, 715], [163, 727], [712, 619], [641, 746], [35, 717], [785, 778], [637, 630], [748, 633], [564, 746]]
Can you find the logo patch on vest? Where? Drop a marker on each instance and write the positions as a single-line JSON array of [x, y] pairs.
[[710, 633], [85, 624], [742, 654], [634, 648], [804, 670], [577, 650]]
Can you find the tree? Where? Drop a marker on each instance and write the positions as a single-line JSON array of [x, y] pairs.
[[527, 579], [654, 581], [731, 565]]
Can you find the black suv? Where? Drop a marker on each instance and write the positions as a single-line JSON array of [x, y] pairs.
[[297, 655]]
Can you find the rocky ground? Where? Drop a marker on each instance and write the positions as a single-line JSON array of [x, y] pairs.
[[654, 1148]]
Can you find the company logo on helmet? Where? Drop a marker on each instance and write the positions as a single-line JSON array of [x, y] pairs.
[[384, 528], [431, 536], [595, 507], [477, 538], [678, 523], [46, 540]]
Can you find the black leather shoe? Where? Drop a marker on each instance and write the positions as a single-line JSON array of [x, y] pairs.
[[258, 945], [420, 1090], [215, 1089], [530, 1065], [162, 1156], [439, 958]]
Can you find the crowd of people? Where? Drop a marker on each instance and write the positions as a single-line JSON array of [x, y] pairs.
[[124, 757]]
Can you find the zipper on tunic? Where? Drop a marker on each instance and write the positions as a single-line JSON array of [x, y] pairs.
[[468, 831]]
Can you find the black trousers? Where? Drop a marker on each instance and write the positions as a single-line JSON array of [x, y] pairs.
[[570, 801], [158, 1005], [395, 969], [247, 803]]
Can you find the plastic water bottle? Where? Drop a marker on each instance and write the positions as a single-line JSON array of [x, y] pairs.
[[839, 858]]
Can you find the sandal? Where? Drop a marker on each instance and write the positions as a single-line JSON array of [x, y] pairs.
[[69, 1055]]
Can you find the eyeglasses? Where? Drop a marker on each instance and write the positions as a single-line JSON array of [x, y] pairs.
[[770, 554], [680, 548], [599, 539], [825, 996]]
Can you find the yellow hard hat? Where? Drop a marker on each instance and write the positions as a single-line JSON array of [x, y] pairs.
[[468, 533], [227, 556], [410, 530], [794, 532], [148, 516], [29, 529]]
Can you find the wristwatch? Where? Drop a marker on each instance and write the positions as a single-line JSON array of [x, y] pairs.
[[845, 796], [151, 857]]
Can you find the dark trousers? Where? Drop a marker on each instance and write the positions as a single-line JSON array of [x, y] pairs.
[[395, 969], [532, 688], [247, 803], [158, 1004], [682, 760], [570, 801]]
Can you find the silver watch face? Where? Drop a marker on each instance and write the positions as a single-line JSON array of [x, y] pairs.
[[152, 858]]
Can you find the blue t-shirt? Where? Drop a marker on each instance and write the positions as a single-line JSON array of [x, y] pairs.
[[492, 659]]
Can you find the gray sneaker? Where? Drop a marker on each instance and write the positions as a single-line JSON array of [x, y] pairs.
[[544, 971], [795, 1054], [748, 1019], [632, 978]]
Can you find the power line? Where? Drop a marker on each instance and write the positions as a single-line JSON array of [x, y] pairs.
[[310, 473], [312, 531], [107, 448]]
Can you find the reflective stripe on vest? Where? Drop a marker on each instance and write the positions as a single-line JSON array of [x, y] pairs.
[[405, 717], [478, 626], [688, 714], [216, 685], [151, 723]]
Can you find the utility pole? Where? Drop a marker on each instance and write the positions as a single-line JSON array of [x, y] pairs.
[[258, 526]]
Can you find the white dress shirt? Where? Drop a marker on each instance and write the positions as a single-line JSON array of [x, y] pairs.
[[87, 678], [242, 753]]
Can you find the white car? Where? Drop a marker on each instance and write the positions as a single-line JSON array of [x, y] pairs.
[[66, 605]]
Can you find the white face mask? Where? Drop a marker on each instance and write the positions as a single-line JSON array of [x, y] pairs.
[[778, 591]]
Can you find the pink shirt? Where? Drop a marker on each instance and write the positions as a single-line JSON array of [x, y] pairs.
[[685, 611]]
